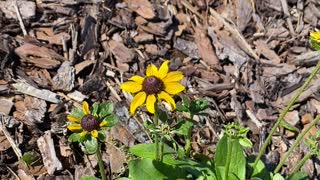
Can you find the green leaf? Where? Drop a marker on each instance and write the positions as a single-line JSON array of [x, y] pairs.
[[101, 136], [315, 45], [245, 142], [112, 120], [288, 126], [89, 178], [237, 165], [260, 171], [95, 109], [221, 152], [75, 137], [105, 109], [181, 108], [277, 177], [185, 101], [91, 145], [163, 116], [77, 113], [299, 176], [198, 105], [183, 128], [146, 169], [31, 158]]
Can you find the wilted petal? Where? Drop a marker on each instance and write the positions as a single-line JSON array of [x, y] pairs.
[[151, 100], [163, 70], [73, 119], [137, 101], [94, 133], [131, 87], [74, 127], [173, 88], [165, 96], [85, 107]]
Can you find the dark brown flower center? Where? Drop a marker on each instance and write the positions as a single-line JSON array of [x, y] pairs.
[[89, 123], [152, 85]]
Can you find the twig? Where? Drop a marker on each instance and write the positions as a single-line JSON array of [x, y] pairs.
[[284, 5], [113, 91], [236, 33], [16, 150], [15, 4]]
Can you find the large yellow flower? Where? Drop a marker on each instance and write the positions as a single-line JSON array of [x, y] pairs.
[[87, 123], [157, 84]]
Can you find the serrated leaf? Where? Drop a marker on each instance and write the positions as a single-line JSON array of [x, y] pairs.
[[198, 105], [163, 116], [105, 109], [181, 108], [75, 137], [91, 145], [183, 128], [245, 142], [185, 101], [77, 113], [101, 136], [112, 120], [95, 109]]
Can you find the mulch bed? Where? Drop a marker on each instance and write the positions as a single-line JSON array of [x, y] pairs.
[[246, 57]]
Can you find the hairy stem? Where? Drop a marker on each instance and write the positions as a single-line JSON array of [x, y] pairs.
[[301, 162], [161, 149], [156, 122], [100, 163], [282, 115], [296, 143]]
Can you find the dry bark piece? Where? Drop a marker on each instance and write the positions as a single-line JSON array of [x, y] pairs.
[[5, 144], [306, 119], [121, 52], [39, 93], [47, 34], [64, 79], [263, 48], [143, 37], [27, 9], [292, 118], [39, 56], [77, 96], [31, 110], [205, 48], [142, 7], [189, 48], [121, 133], [6, 105], [117, 158], [48, 153]]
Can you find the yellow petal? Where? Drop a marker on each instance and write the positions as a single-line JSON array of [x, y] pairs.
[[85, 107], [137, 79], [74, 127], [165, 96], [73, 119], [103, 124], [83, 134], [174, 76], [152, 70], [315, 35], [173, 88], [137, 101], [163, 70], [94, 133], [131, 87], [151, 100]]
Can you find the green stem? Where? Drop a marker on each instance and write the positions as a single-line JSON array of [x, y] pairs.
[[156, 122], [301, 162], [100, 162], [230, 141], [296, 143], [282, 115]]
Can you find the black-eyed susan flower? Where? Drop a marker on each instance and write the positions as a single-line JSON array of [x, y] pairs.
[[85, 122], [157, 84], [315, 40]]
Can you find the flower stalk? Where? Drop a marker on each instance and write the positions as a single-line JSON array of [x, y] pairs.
[[100, 163], [230, 143]]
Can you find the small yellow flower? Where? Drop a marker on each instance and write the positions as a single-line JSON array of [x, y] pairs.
[[315, 36], [157, 84], [89, 124]]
